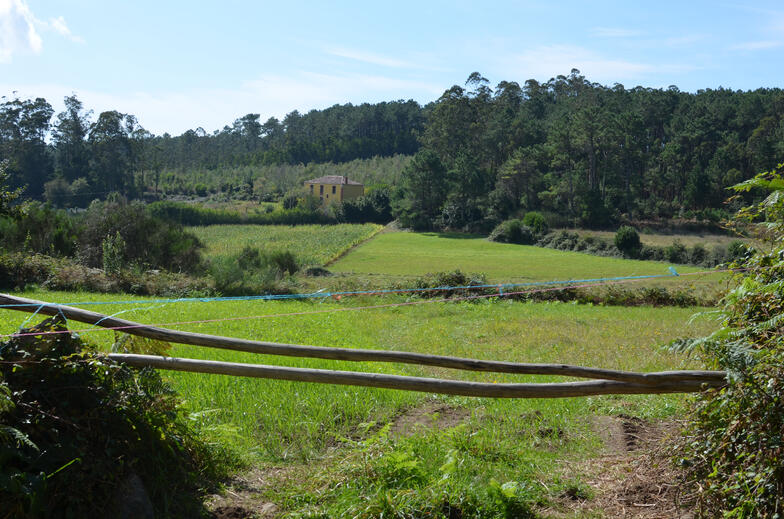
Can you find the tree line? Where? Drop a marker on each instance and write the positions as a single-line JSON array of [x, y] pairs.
[[584, 153], [73, 158], [580, 152]]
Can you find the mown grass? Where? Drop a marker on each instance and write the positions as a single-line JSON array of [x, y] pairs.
[[312, 244], [413, 254]]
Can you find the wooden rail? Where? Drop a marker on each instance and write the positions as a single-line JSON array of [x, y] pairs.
[[609, 381], [427, 385]]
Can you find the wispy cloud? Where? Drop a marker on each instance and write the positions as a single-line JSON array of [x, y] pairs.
[[614, 32], [369, 57], [682, 41], [59, 26], [19, 30], [758, 45], [18, 34]]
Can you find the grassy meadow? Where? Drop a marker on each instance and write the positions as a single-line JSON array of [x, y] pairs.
[[312, 244], [340, 451], [414, 254], [338, 444]]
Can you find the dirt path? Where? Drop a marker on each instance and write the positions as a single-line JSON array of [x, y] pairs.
[[634, 478]]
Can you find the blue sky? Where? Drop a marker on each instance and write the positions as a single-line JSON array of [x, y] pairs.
[[180, 65]]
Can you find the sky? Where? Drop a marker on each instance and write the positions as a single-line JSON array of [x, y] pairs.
[[180, 65]]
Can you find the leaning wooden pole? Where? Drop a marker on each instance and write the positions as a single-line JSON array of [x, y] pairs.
[[354, 355], [426, 385]]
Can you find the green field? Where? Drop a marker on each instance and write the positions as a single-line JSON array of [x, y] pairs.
[[414, 254], [332, 436], [311, 244], [348, 451]]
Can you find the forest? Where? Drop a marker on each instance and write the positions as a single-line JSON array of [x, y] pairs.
[[580, 152]]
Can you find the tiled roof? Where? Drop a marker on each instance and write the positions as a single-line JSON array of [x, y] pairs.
[[333, 179]]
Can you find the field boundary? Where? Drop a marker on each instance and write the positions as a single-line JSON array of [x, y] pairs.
[[342, 253]]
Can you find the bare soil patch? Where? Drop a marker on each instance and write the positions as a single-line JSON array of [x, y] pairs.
[[635, 477], [431, 414], [243, 497]]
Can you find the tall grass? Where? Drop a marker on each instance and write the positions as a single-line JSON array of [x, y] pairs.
[[312, 244]]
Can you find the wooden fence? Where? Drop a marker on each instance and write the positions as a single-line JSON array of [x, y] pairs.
[[605, 381]]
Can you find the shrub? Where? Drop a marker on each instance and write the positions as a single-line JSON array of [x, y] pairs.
[[736, 250], [676, 253], [536, 221], [627, 239], [113, 253], [512, 231], [40, 229], [150, 242], [734, 447], [252, 272], [75, 427], [698, 254]]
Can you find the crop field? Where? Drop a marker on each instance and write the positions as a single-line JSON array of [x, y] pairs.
[[347, 450], [311, 244], [413, 254]]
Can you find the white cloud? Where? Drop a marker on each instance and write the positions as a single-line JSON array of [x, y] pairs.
[[269, 95], [19, 30], [369, 57], [59, 26], [614, 32], [758, 45], [18, 34]]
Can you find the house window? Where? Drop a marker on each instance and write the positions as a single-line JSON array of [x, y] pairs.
[[333, 190], [321, 190], [311, 189]]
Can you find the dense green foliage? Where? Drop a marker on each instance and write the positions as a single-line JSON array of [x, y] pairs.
[[584, 153], [131, 233], [74, 427], [735, 447], [627, 239], [513, 231], [577, 151], [86, 159]]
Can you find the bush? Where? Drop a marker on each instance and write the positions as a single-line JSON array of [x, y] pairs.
[[252, 272], [75, 427], [734, 446], [512, 231], [736, 250], [39, 228], [698, 254], [150, 242], [676, 253], [536, 221], [455, 278], [627, 239]]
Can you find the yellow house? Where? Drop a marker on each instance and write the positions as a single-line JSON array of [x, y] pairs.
[[334, 188]]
